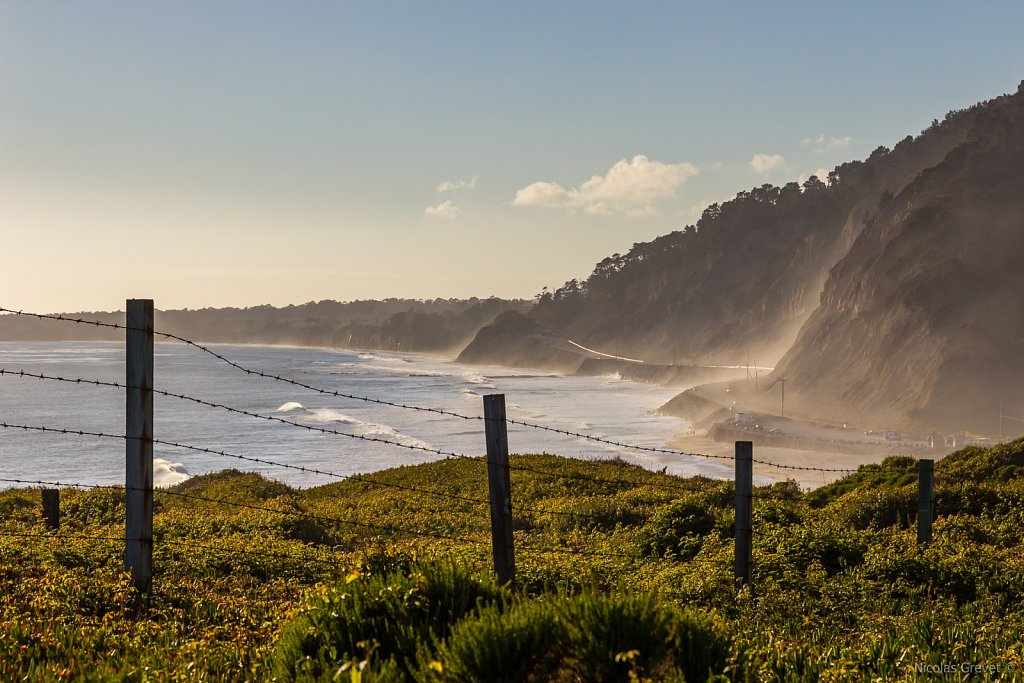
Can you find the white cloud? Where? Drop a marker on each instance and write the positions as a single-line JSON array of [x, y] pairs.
[[764, 164], [822, 174], [449, 185], [445, 209], [629, 187], [821, 144]]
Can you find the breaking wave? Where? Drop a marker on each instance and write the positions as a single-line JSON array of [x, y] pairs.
[[166, 473], [363, 428]]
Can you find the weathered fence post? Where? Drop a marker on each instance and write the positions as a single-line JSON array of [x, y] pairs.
[[925, 498], [500, 486], [138, 536], [744, 493], [51, 508]]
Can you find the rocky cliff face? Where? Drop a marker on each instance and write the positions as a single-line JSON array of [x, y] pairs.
[[514, 340], [892, 292], [921, 323]]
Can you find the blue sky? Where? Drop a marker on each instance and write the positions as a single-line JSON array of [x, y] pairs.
[[239, 153]]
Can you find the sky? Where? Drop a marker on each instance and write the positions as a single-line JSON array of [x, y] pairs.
[[244, 153]]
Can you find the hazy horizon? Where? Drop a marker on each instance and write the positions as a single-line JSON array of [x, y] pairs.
[[252, 154]]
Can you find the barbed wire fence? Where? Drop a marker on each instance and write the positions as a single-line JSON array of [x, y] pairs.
[[139, 441]]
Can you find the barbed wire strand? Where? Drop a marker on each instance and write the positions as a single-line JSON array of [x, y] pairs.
[[238, 411], [242, 368], [261, 461], [338, 394], [325, 430], [300, 468]]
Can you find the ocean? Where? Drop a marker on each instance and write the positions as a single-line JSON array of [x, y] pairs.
[[602, 406]]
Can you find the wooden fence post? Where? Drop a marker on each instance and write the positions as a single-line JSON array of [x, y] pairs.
[[51, 508], [138, 536], [500, 487], [744, 493], [925, 498]]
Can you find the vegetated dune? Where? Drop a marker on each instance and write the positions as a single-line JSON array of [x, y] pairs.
[[921, 323]]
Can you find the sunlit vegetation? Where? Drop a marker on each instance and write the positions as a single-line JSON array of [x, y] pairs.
[[627, 579]]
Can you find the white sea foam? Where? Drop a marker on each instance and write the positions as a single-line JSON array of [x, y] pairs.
[[381, 359], [290, 406], [166, 473], [478, 380], [363, 428]]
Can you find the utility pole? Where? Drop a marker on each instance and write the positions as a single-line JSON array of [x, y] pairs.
[[783, 410]]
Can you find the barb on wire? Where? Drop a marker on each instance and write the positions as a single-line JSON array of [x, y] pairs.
[[803, 468], [55, 378]]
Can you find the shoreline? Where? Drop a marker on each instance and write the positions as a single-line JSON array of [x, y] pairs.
[[686, 440]]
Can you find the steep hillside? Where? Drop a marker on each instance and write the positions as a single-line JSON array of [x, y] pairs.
[[746, 276], [921, 323]]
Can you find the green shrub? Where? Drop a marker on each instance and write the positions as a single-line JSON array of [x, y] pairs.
[[676, 529], [615, 637], [876, 508], [589, 638], [519, 644], [602, 513], [381, 617]]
